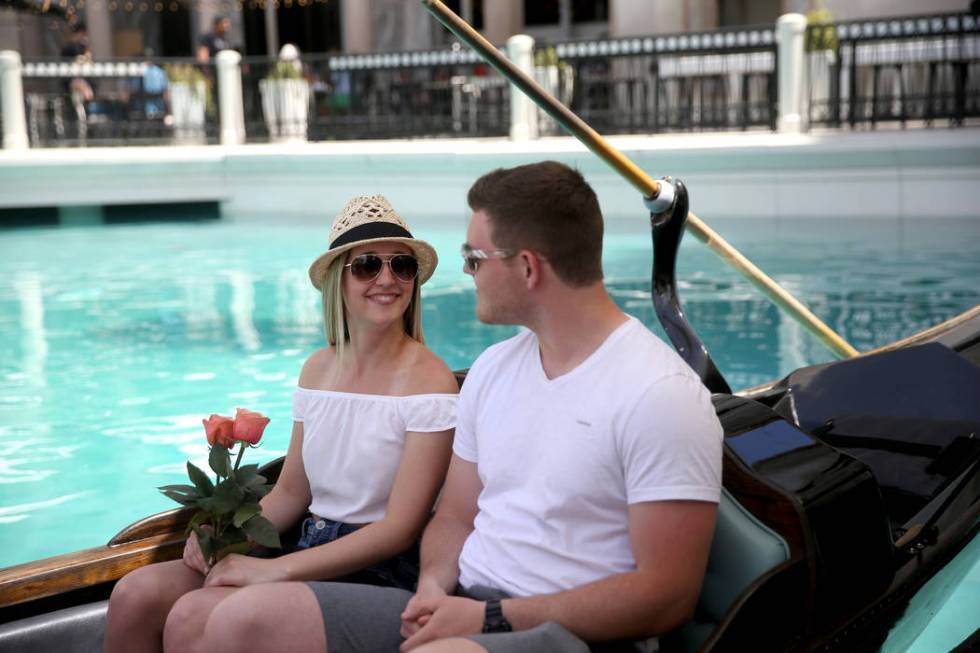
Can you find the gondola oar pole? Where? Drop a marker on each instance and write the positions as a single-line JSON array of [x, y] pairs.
[[633, 174]]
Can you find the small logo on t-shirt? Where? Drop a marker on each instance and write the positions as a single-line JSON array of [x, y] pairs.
[[583, 422]]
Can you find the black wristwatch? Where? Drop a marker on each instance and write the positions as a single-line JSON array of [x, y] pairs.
[[494, 620]]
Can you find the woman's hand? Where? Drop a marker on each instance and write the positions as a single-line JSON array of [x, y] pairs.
[[236, 570], [193, 557]]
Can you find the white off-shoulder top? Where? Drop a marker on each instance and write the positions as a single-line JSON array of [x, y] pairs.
[[352, 445]]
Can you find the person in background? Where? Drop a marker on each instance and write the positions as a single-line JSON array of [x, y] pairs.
[[373, 419], [77, 49], [214, 41], [149, 93], [580, 502]]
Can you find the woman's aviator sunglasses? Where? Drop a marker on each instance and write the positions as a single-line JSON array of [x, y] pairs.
[[367, 267]]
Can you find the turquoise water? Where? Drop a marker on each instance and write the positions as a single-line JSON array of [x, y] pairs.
[[115, 341]]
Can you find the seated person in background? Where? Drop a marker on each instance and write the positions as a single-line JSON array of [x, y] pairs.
[[77, 49], [372, 436], [581, 498]]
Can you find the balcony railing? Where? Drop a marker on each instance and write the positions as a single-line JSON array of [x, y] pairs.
[[118, 102], [913, 71], [916, 69], [447, 93], [722, 80]]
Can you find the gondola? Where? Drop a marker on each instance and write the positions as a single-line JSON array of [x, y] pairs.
[[847, 486]]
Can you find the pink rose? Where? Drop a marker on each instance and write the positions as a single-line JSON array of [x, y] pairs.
[[249, 425], [220, 430]]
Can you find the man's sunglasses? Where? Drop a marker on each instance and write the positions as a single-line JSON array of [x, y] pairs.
[[367, 267], [472, 257]]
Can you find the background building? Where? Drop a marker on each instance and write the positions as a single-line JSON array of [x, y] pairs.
[[121, 28]]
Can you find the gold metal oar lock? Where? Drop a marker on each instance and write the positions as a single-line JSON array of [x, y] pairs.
[[637, 177]]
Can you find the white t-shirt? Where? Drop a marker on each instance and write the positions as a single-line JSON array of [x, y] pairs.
[[561, 459], [352, 445]]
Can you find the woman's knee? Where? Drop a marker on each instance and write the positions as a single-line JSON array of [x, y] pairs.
[[237, 621], [186, 620], [137, 593], [274, 616]]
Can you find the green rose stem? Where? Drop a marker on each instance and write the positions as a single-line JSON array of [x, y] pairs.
[[238, 461]]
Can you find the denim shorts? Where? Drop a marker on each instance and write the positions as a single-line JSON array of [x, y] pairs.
[[402, 571]]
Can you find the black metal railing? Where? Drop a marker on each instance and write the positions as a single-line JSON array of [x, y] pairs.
[[720, 80], [446, 93], [914, 69], [119, 102]]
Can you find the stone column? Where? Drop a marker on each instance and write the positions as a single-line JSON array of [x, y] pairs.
[[523, 118], [271, 30], [356, 29], [505, 19], [232, 128], [790, 34], [12, 98]]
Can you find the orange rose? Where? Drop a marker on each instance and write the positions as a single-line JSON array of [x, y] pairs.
[[249, 426], [220, 430]]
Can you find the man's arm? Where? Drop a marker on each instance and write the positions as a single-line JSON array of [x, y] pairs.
[[442, 543], [453, 522], [670, 541]]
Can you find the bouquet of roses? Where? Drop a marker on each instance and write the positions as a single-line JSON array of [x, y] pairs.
[[228, 517]]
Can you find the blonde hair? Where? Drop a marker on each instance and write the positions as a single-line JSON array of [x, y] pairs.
[[335, 315]]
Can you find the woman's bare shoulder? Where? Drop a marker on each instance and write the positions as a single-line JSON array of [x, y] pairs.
[[316, 367], [431, 375]]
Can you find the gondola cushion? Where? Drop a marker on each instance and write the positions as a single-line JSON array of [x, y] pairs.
[[78, 629], [742, 550]]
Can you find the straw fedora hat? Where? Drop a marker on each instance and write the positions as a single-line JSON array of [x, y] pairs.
[[370, 219]]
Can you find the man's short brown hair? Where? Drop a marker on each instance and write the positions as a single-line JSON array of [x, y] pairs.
[[546, 207]]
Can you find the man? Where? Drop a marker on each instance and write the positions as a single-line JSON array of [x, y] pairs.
[[587, 459], [581, 498], [76, 48], [215, 41]]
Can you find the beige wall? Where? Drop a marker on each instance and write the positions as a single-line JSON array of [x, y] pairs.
[[849, 9]]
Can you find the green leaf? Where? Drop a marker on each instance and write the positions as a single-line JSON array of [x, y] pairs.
[[200, 480], [199, 518], [257, 489], [182, 488], [185, 495], [219, 460], [227, 497], [262, 532], [245, 512], [246, 474]]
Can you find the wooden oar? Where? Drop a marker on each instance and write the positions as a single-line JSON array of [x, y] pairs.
[[649, 187]]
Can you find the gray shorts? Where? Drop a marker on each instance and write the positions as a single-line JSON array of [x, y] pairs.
[[367, 619]]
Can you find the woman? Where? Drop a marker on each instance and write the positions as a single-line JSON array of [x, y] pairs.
[[372, 435]]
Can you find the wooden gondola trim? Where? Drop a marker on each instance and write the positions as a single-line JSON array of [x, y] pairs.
[[51, 576], [171, 521]]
